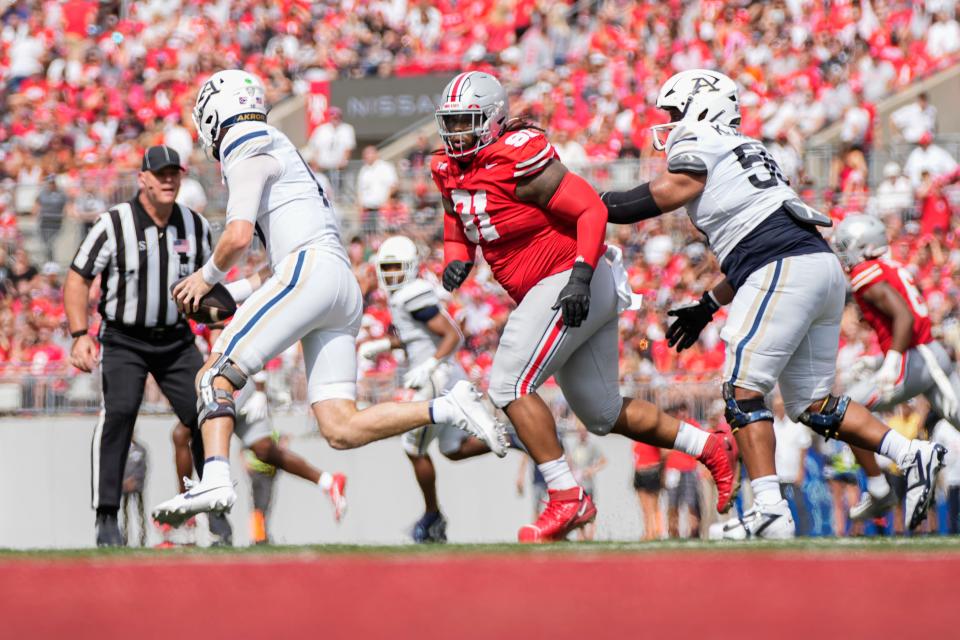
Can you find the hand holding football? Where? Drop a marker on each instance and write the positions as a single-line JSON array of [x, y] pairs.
[[216, 306]]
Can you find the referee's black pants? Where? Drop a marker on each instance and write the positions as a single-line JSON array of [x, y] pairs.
[[127, 357]]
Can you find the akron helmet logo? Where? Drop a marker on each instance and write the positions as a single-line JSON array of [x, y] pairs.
[[705, 83]]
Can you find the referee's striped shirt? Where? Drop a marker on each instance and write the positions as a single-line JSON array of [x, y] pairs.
[[139, 261]]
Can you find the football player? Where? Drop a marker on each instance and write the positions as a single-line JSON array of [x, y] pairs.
[[541, 229], [913, 362], [311, 296], [431, 339], [784, 285]]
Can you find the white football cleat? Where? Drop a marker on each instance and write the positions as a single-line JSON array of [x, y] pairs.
[[474, 418], [923, 465], [196, 499], [770, 522], [870, 507]]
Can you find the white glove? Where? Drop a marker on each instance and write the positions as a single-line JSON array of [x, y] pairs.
[[862, 366], [372, 348], [255, 409], [419, 376], [889, 374]]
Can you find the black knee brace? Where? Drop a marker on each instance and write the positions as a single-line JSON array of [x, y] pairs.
[[740, 413], [826, 420]]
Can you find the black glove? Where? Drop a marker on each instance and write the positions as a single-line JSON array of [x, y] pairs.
[[691, 319], [455, 273], [574, 299]]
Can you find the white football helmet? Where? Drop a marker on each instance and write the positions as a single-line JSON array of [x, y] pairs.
[[694, 95], [397, 250], [859, 238], [481, 97], [228, 97]]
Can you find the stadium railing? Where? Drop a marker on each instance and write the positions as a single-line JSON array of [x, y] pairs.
[[47, 395]]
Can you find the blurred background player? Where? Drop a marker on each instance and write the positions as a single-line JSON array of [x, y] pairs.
[[913, 364], [309, 294], [262, 478], [793, 442], [647, 466], [681, 482], [586, 461], [134, 475], [785, 287], [430, 338], [541, 230]]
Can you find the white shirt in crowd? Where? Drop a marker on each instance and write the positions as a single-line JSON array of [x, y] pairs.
[[913, 121], [572, 154], [330, 144], [935, 160], [375, 181], [943, 38], [893, 195], [793, 439]]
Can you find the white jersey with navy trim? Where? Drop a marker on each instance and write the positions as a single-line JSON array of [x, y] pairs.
[[744, 184], [419, 341], [294, 213]]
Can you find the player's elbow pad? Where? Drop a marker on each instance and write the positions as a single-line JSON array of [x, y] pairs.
[[628, 207]]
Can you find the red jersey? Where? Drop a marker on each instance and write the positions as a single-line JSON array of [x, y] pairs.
[[522, 242], [865, 275]]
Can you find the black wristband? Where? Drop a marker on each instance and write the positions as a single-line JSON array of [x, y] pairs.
[[627, 207], [711, 305], [582, 272], [78, 333]]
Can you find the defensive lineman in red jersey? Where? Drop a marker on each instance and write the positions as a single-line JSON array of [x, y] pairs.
[[541, 229], [913, 362]]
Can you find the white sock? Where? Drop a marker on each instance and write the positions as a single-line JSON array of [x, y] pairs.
[[690, 440], [216, 472], [877, 486], [557, 474], [441, 411], [894, 446], [766, 490], [326, 480]]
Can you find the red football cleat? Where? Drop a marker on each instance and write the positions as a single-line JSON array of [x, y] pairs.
[[567, 510], [337, 493], [720, 456]]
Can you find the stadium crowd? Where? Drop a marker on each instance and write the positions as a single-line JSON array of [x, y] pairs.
[[86, 88]]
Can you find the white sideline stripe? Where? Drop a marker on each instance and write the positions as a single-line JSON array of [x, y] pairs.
[[546, 150], [95, 446]]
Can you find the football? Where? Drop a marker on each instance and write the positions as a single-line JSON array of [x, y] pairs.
[[215, 307]]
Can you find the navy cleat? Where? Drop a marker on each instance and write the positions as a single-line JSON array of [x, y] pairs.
[[431, 527]]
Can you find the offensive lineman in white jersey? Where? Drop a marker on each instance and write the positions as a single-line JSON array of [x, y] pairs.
[[431, 339], [309, 294], [786, 287]]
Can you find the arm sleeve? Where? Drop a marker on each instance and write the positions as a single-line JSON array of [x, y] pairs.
[[456, 245], [95, 251], [245, 182], [576, 200]]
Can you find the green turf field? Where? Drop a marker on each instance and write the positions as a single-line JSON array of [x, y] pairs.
[[939, 544]]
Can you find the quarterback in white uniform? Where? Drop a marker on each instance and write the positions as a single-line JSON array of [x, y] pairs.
[[430, 338], [785, 288], [308, 293]]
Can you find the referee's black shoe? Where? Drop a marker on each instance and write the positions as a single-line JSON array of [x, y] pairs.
[[108, 531]]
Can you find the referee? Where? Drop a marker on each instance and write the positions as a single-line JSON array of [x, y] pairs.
[[139, 248]]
